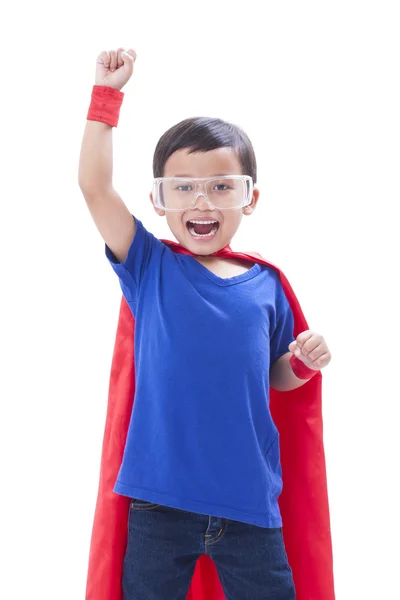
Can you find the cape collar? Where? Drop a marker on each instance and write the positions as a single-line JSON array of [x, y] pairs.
[[225, 252]]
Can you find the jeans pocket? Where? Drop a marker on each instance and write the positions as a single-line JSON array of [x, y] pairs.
[[137, 504]]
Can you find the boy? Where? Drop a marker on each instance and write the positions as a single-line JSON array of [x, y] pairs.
[[201, 461]]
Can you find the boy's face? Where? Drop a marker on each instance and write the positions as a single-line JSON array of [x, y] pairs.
[[221, 161]]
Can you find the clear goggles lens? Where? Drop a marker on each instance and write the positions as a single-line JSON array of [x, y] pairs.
[[223, 193]]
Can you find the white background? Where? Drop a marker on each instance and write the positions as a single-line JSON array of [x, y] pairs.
[[316, 87]]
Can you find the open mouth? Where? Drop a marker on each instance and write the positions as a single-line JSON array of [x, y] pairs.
[[202, 228]]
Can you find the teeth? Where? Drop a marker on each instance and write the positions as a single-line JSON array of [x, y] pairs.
[[192, 231], [203, 222]]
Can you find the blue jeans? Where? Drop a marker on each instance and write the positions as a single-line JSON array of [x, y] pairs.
[[165, 543]]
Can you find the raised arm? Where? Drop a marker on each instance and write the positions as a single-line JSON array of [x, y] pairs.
[[110, 214]]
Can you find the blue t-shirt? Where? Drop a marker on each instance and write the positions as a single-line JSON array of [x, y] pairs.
[[201, 437]]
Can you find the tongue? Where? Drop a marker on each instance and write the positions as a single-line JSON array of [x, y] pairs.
[[203, 229]]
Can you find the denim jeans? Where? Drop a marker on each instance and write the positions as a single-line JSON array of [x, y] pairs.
[[165, 543]]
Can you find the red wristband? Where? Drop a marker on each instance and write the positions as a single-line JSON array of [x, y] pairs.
[[105, 105], [300, 369]]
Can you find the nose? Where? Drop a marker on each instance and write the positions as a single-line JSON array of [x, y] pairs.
[[201, 202]]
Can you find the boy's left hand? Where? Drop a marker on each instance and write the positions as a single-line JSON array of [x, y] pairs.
[[311, 349]]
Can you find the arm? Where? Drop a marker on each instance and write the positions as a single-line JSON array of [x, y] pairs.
[[281, 376], [111, 216]]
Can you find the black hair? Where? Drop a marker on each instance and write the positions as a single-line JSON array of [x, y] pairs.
[[202, 134]]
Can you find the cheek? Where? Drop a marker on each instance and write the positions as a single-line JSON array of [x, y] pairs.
[[175, 221], [233, 220]]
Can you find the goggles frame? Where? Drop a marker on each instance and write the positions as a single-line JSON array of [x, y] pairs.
[[159, 180]]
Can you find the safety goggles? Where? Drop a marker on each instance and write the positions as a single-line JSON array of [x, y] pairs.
[[177, 194]]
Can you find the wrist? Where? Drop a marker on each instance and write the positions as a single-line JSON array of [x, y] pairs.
[[105, 105], [300, 369]]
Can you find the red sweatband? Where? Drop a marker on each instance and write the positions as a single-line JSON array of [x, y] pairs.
[[105, 105], [300, 369]]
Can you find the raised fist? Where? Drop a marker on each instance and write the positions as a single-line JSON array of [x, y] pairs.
[[115, 68]]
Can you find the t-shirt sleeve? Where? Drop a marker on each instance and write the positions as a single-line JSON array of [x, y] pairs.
[[282, 334], [144, 253]]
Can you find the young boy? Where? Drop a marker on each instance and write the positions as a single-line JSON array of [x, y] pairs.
[[201, 460]]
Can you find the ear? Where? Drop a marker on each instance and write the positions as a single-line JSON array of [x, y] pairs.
[[159, 211], [250, 208]]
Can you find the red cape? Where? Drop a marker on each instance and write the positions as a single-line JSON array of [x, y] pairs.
[[303, 502]]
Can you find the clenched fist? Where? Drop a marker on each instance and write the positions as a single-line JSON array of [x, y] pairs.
[[115, 68], [311, 349]]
